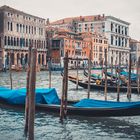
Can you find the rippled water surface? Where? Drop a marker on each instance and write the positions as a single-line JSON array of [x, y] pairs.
[[47, 125]]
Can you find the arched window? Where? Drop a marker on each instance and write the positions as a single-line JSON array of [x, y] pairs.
[[29, 42], [39, 58], [23, 28], [9, 40], [5, 40], [26, 29], [11, 26], [35, 43], [20, 42], [29, 29], [44, 45], [32, 30], [12, 41], [32, 42], [26, 42], [20, 28], [17, 27], [17, 41], [8, 26], [42, 59], [23, 42]]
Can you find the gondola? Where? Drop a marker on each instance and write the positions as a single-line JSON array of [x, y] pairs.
[[110, 88], [85, 107], [94, 78]]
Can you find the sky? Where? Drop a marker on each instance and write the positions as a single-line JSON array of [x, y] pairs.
[[127, 10]]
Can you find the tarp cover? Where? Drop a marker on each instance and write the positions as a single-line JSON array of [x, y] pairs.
[[89, 103], [4, 89], [44, 96]]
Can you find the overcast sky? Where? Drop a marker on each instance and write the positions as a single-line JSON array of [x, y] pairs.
[[128, 10]]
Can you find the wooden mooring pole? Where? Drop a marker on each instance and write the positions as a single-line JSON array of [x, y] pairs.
[[10, 71], [77, 76], [129, 80], [32, 85], [138, 75], [118, 87], [63, 108], [111, 68], [89, 74], [50, 73], [27, 92], [116, 72], [105, 90]]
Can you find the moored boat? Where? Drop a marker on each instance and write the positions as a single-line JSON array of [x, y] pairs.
[[47, 100], [94, 86]]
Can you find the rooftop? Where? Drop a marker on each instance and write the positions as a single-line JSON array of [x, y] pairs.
[[10, 9]]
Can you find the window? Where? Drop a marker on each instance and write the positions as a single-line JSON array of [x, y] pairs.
[[29, 29], [17, 41], [111, 40], [8, 26], [8, 40], [17, 27], [5, 40], [111, 26], [26, 42], [119, 41], [125, 30], [20, 28], [11, 26], [34, 30], [23, 28], [26, 29], [119, 29], [12, 41]]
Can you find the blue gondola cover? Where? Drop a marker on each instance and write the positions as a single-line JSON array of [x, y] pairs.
[[18, 96]]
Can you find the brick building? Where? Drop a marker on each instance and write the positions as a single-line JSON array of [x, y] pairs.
[[115, 30], [78, 45]]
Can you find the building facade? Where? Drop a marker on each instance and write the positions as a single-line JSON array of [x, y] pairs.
[[115, 30], [18, 31], [78, 45], [135, 50]]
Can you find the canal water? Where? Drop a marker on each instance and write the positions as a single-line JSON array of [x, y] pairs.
[[48, 126]]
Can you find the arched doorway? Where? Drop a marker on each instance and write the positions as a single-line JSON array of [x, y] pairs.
[[42, 59], [26, 58], [18, 58], [39, 59], [22, 61]]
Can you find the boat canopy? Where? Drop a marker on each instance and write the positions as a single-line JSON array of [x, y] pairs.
[[17, 96], [90, 103]]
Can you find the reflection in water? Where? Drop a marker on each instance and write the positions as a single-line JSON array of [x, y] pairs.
[[48, 126]]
